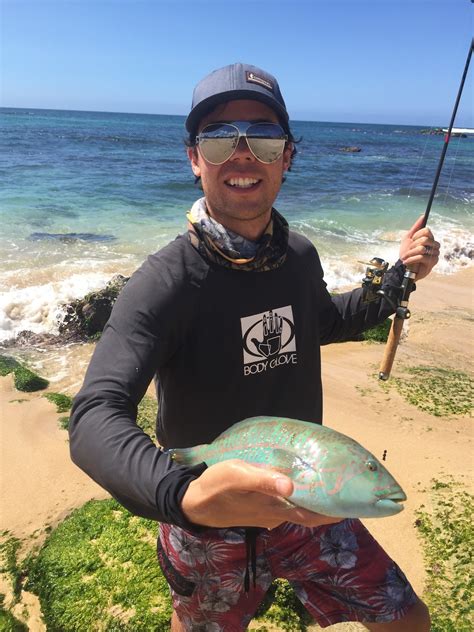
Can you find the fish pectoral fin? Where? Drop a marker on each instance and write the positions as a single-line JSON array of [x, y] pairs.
[[288, 462], [288, 504]]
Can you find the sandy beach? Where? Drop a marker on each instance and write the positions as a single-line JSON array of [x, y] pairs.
[[40, 485]]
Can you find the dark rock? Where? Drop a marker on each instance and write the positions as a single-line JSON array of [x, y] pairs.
[[68, 238], [460, 251], [435, 131], [28, 338], [85, 318], [350, 150]]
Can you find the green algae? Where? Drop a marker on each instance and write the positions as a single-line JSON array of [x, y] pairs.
[[98, 568], [438, 391], [23, 378], [448, 544], [28, 381], [8, 365], [63, 402], [379, 333], [146, 416]]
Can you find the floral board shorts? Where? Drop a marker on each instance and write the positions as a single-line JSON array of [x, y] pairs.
[[339, 572]]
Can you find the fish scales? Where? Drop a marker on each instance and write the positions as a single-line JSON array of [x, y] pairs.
[[332, 474]]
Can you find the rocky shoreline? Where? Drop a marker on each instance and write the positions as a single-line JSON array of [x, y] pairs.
[[83, 320]]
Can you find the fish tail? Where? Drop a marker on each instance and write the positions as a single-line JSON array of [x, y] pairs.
[[187, 456]]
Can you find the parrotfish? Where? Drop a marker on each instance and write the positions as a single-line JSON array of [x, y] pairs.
[[332, 474]]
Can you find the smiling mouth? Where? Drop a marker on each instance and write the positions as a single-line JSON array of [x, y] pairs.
[[242, 183]]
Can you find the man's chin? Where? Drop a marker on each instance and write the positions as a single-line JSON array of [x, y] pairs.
[[241, 217]]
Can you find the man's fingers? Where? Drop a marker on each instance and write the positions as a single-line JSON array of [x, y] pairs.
[[237, 493], [236, 475], [416, 227]]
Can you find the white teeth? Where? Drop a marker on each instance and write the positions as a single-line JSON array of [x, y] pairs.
[[244, 183]]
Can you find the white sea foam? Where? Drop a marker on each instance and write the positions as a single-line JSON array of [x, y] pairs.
[[456, 252], [31, 298]]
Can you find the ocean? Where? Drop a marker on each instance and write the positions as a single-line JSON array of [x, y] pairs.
[[86, 195]]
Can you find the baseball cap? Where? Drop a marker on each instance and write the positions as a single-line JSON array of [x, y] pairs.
[[237, 81]]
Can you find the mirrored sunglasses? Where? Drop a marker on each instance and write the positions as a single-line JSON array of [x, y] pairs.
[[218, 141]]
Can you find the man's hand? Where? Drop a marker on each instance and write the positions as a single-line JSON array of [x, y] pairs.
[[418, 250], [234, 493]]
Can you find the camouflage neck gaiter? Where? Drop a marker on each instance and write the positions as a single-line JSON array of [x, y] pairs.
[[228, 249]]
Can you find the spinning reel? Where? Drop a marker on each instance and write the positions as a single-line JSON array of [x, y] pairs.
[[372, 287]]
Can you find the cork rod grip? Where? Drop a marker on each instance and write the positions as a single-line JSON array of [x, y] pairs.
[[391, 348]]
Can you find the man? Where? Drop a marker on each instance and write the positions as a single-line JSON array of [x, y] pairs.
[[229, 318]]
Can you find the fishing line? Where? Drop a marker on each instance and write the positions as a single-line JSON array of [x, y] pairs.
[[452, 169], [428, 134]]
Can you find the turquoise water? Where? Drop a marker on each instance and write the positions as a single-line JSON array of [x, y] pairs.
[[86, 195]]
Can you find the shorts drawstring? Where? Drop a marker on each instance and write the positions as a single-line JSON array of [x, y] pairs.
[[251, 559]]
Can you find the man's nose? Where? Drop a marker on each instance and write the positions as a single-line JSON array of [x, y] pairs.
[[242, 150]]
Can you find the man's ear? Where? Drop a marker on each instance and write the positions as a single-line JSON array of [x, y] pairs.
[[194, 160], [287, 156]]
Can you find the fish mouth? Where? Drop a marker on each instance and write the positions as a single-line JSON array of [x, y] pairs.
[[392, 502]]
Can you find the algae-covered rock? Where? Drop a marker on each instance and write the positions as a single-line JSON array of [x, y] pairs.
[[28, 381], [24, 379], [8, 365]]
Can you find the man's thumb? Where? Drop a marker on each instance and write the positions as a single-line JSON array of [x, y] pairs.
[[283, 486]]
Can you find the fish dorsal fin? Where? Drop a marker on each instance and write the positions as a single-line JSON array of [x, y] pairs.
[[288, 462]]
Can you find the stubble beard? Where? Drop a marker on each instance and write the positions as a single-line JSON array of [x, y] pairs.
[[231, 213]]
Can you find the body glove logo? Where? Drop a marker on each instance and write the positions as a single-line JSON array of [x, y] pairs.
[[268, 340]]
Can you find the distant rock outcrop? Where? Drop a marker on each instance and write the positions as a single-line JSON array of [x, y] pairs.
[[432, 131], [350, 149]]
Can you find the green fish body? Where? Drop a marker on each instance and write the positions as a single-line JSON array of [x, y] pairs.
[[332, 474]]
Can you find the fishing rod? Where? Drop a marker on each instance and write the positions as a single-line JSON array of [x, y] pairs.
[[372, 283]]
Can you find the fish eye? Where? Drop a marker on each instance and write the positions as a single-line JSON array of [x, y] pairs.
[[372, 466]]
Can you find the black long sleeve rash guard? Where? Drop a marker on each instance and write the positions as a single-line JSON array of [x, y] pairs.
[[222, 345]]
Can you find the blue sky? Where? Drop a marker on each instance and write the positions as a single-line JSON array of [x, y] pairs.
[[379, 61]]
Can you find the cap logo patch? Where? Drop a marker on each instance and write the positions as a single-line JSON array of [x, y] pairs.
[[253, 78]]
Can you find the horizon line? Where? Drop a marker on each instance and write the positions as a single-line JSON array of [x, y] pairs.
[[10, 107]]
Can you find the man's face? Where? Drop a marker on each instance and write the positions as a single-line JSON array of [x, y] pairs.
[[240, 208]]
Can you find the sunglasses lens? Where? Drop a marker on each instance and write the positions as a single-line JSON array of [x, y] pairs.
[[217, 142], [266, 141]]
